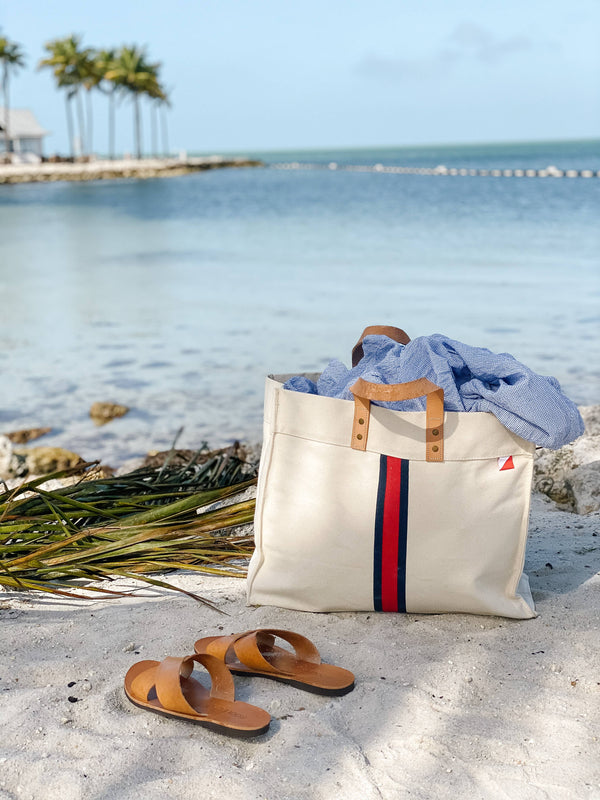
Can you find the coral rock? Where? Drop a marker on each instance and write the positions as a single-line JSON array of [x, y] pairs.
[[102, 413], [43, 460], [584, 483], [571, 476], [27, 435], [11, 466]]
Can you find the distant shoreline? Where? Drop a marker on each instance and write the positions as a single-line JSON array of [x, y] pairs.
[[123, 168]]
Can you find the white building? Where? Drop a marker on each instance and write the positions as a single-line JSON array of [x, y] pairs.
[[26, 133]]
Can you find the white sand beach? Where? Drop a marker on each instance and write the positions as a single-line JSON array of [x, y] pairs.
[[445, 706]]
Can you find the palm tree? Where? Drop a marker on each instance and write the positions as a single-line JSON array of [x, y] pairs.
[[91, 77], [70, 64], [134, 74], [105, 62], [158, 99], [12, 58], [63, 82], [163, 118]]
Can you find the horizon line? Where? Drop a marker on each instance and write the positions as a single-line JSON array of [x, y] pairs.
[[429, 145]]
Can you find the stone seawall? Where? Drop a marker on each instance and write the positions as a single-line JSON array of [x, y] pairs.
[[111, 170]]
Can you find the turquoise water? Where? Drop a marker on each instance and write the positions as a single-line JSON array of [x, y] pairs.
[[177, 296]]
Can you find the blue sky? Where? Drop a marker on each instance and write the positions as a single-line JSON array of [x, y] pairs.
[[277, 74]]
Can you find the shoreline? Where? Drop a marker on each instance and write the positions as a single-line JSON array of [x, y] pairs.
[[105, 169]]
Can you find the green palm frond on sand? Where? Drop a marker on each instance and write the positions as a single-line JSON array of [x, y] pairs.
[[153, 520]]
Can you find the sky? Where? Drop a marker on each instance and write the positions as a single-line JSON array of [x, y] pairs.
[[251, 75]]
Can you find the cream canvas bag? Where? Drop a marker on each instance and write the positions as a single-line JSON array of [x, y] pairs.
[[363, 508]]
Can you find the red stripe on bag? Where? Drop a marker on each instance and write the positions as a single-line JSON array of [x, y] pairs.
[[389, 544]]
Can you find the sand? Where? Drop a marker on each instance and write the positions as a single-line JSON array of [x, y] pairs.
[[445, 706]]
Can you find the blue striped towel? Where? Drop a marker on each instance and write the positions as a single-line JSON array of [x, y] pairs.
[[473, 378]]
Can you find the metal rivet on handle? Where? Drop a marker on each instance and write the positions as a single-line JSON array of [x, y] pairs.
[[359, 435], [361, 422], [435, 432], [435, 448]]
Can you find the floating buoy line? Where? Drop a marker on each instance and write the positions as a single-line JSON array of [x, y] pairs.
[[548, 172]]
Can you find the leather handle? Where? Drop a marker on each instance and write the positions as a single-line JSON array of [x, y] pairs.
[[364, 392], [397, 334]]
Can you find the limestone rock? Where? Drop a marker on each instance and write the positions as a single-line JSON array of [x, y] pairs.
[[180, 458], [11, 466], [96, 473], [43, 460], [19, 462], [568, 475], [27, 435], [584, 483], [102, 413], [550, 469], [591, 418]]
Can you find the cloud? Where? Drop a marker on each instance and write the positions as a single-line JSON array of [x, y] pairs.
[[470, 39], [375, 66], [466, 42]]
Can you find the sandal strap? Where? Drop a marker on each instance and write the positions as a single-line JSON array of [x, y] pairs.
[[221, 644], [248, 649], [143, 683], [166, 680], [222, 686], [168, 684]]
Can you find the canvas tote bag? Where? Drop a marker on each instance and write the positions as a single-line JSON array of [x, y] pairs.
[[363, 508]]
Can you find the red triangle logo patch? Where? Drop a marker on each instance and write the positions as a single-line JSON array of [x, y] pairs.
[[506, 462]]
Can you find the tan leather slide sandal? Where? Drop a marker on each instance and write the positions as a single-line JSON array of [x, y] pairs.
[[165, 687], [255, 653]]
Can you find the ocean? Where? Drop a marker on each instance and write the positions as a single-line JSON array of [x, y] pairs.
[[177, 296]]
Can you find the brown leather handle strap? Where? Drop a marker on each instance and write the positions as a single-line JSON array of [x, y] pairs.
[[397, 334], [364, 392]]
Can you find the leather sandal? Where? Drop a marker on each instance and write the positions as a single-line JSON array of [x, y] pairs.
[[165, 687], [255, 653]]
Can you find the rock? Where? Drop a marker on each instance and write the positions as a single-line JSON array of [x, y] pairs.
[[20, 462], [11, 466], [180, 458], [569, 475], [27, 435], [43, 460], [550, 471], [177, 458], [129, 466], [102, 413], [591, 418], [97, 473], [584, 483]]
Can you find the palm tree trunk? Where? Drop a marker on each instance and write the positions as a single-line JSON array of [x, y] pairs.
[[81, 121], [111, 125], [138, 126], [6, 109], [165, 137], [70, 124], [153, 115], [90, 121]]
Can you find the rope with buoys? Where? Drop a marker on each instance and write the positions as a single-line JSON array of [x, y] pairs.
[[441, 170]]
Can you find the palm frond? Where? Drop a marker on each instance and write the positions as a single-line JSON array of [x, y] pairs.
[[153, 520]]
